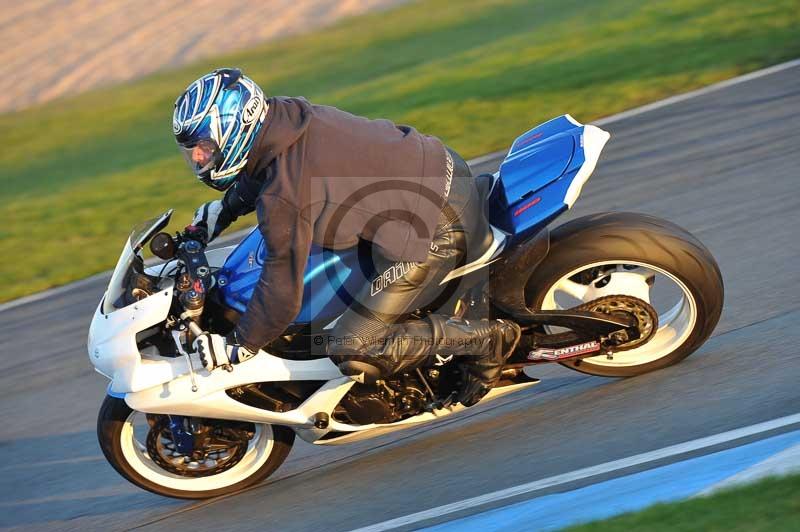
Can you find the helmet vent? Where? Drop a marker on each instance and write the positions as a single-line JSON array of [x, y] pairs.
[[229, 76]]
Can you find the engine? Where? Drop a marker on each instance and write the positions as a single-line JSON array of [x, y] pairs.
[[397, 398], [384, 402]]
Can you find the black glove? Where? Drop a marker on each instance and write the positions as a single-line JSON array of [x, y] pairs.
[[209, 221], [218, 351]]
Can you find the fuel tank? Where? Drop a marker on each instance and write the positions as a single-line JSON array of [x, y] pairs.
[[331, 279]]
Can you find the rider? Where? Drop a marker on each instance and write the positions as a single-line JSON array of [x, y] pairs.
[[315, 174]]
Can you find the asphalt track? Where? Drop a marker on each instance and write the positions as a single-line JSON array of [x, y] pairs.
[[724, 164]]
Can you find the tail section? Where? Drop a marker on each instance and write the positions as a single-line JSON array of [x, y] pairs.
[[543, 173]]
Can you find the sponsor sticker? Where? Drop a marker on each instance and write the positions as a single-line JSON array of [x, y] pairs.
[[563, 352], [528, 205], [252, 110], [441, 361], [392, 274]]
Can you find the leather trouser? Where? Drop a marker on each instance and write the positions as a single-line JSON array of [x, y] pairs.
[[374, 336]]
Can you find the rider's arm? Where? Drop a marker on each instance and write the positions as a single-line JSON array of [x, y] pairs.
[[215, 216], [240, 199], [278, 295]]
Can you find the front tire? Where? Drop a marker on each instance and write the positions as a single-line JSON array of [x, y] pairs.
[[116, 435], [627, 254]]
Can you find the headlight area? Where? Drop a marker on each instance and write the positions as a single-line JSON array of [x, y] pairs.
[[138, 286], [156, 341]]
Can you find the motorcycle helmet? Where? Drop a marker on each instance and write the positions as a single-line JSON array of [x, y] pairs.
[[215, 122]]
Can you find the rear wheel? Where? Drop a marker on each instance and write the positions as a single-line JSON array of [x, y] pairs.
[[141, 448], [615, 257]]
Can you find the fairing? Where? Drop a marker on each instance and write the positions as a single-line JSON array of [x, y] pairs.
[[542, 175]]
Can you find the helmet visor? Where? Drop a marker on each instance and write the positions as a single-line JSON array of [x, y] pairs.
[[202, 157]]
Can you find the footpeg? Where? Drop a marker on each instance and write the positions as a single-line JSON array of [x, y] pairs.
[[440, 404]]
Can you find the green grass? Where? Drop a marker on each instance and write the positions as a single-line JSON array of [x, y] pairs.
[[79, 172], [771, 505]]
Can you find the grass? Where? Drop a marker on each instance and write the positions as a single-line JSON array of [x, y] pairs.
[[78, 173], [770, 505]]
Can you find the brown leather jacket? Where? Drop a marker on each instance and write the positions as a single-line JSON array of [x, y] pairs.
[[332, 178]]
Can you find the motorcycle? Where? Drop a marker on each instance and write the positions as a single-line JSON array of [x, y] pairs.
[[611, 294]]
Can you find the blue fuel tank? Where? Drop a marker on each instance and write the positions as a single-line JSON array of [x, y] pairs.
[[331, 279]]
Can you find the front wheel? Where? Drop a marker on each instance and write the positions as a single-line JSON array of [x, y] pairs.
[[142, 449], [633, 257]]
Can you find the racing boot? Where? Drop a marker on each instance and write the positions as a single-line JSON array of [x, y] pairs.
[[403, 347], [481, 348]]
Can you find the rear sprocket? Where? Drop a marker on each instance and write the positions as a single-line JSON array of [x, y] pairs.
[[645, 315]]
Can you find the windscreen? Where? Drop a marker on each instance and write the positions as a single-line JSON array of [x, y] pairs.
[[115, 295]]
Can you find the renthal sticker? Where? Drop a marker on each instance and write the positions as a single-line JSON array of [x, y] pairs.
[[564, 352]]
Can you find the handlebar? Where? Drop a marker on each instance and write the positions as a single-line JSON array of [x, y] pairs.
[[189, 248], [191, 253]]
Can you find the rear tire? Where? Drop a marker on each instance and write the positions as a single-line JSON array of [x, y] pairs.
[[637, 239], [114, 433]]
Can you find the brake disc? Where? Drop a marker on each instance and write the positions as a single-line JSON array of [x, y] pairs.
[[224, 448]]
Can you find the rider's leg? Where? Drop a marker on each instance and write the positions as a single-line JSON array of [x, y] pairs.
[[373, 337], [480, 348]]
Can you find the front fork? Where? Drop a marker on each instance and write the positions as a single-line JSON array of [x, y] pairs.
[[183, 439]]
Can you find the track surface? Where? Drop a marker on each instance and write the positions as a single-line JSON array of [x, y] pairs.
[[724, 165]]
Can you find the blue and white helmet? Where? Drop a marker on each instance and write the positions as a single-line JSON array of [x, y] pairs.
[[215, 122]]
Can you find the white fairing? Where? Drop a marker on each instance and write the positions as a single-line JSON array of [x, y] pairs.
[[113, 350], [112, 337], [167, 385], [594, 139], [211, 400]]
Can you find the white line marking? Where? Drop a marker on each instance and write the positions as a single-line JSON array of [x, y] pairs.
[[482, 159], [608, 467], [53, 291]]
